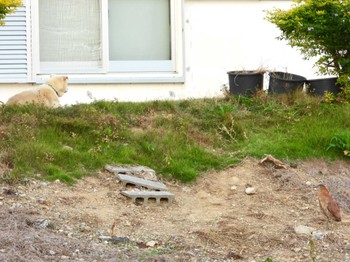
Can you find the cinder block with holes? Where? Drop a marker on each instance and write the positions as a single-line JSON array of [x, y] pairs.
[[131, 180], [129, 169], [145, 196]]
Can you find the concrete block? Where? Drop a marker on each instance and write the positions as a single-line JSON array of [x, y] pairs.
[[145, 196], [126, 179], [130, 170]]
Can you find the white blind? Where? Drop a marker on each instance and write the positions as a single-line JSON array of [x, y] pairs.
[[139, 30], [69, 30], [13, 48]]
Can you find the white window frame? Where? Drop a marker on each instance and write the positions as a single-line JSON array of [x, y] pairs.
[[127, 72]]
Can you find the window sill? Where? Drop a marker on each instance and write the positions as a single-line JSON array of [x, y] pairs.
[[129, 78]]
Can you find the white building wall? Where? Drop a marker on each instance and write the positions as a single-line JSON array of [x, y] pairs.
[[219, 36]]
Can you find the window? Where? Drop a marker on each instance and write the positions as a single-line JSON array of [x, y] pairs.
[[139, 35], [69, 35], [109, 36]]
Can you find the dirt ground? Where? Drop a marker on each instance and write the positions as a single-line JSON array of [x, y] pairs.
[[212, 219]]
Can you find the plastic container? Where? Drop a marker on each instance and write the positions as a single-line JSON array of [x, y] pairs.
[[320, 86], [245, 83], [282, 83]]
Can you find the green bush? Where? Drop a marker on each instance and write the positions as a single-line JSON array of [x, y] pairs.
[[319, 29], [8, 7]]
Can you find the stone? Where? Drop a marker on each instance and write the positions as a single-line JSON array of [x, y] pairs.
[[151, 243], [104, 238], [296, 249], [117, 240], [250, 190], [43, 201], [65, 147], [318, 235], [43, 223], [300, 229]]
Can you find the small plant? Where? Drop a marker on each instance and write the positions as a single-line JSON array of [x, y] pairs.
[[312, 250], [341, 142], [329, 97]]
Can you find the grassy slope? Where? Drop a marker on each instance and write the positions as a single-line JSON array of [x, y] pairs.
[[179, 139]]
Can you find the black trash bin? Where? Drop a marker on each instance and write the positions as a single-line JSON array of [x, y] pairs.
[[282, 83], [245, 83], [321, 85]]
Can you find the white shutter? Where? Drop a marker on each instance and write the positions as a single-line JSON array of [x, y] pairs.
[[13, 48]]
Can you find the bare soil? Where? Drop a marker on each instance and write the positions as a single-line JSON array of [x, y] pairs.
[[212, 219]]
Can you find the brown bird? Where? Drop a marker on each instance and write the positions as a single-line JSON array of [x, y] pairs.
[[328, 205]]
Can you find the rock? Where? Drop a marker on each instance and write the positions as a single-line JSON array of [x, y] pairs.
[[293, 165], [84, 228], [296, 249], [104, 238], [51, 252], [21, 194], [151, 243], [16, 205], [65, 147], [250, 190], [117, 240], [43, 223], [233, 188], [43, 201], [300, 229], [43, 184], [318, 235]]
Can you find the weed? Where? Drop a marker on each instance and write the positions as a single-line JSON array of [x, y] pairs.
[[341, 142], [312, 250], [146, 256]]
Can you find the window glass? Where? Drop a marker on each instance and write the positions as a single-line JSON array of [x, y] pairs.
[[139, 30], [69, 31], [83, 36]]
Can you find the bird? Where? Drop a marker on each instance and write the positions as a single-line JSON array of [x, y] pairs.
[[328, 205]]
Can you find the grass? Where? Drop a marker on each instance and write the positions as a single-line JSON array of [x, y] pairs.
[[179, 139]]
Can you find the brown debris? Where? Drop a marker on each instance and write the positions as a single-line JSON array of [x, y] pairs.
[[277, 163], [8, 191]]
